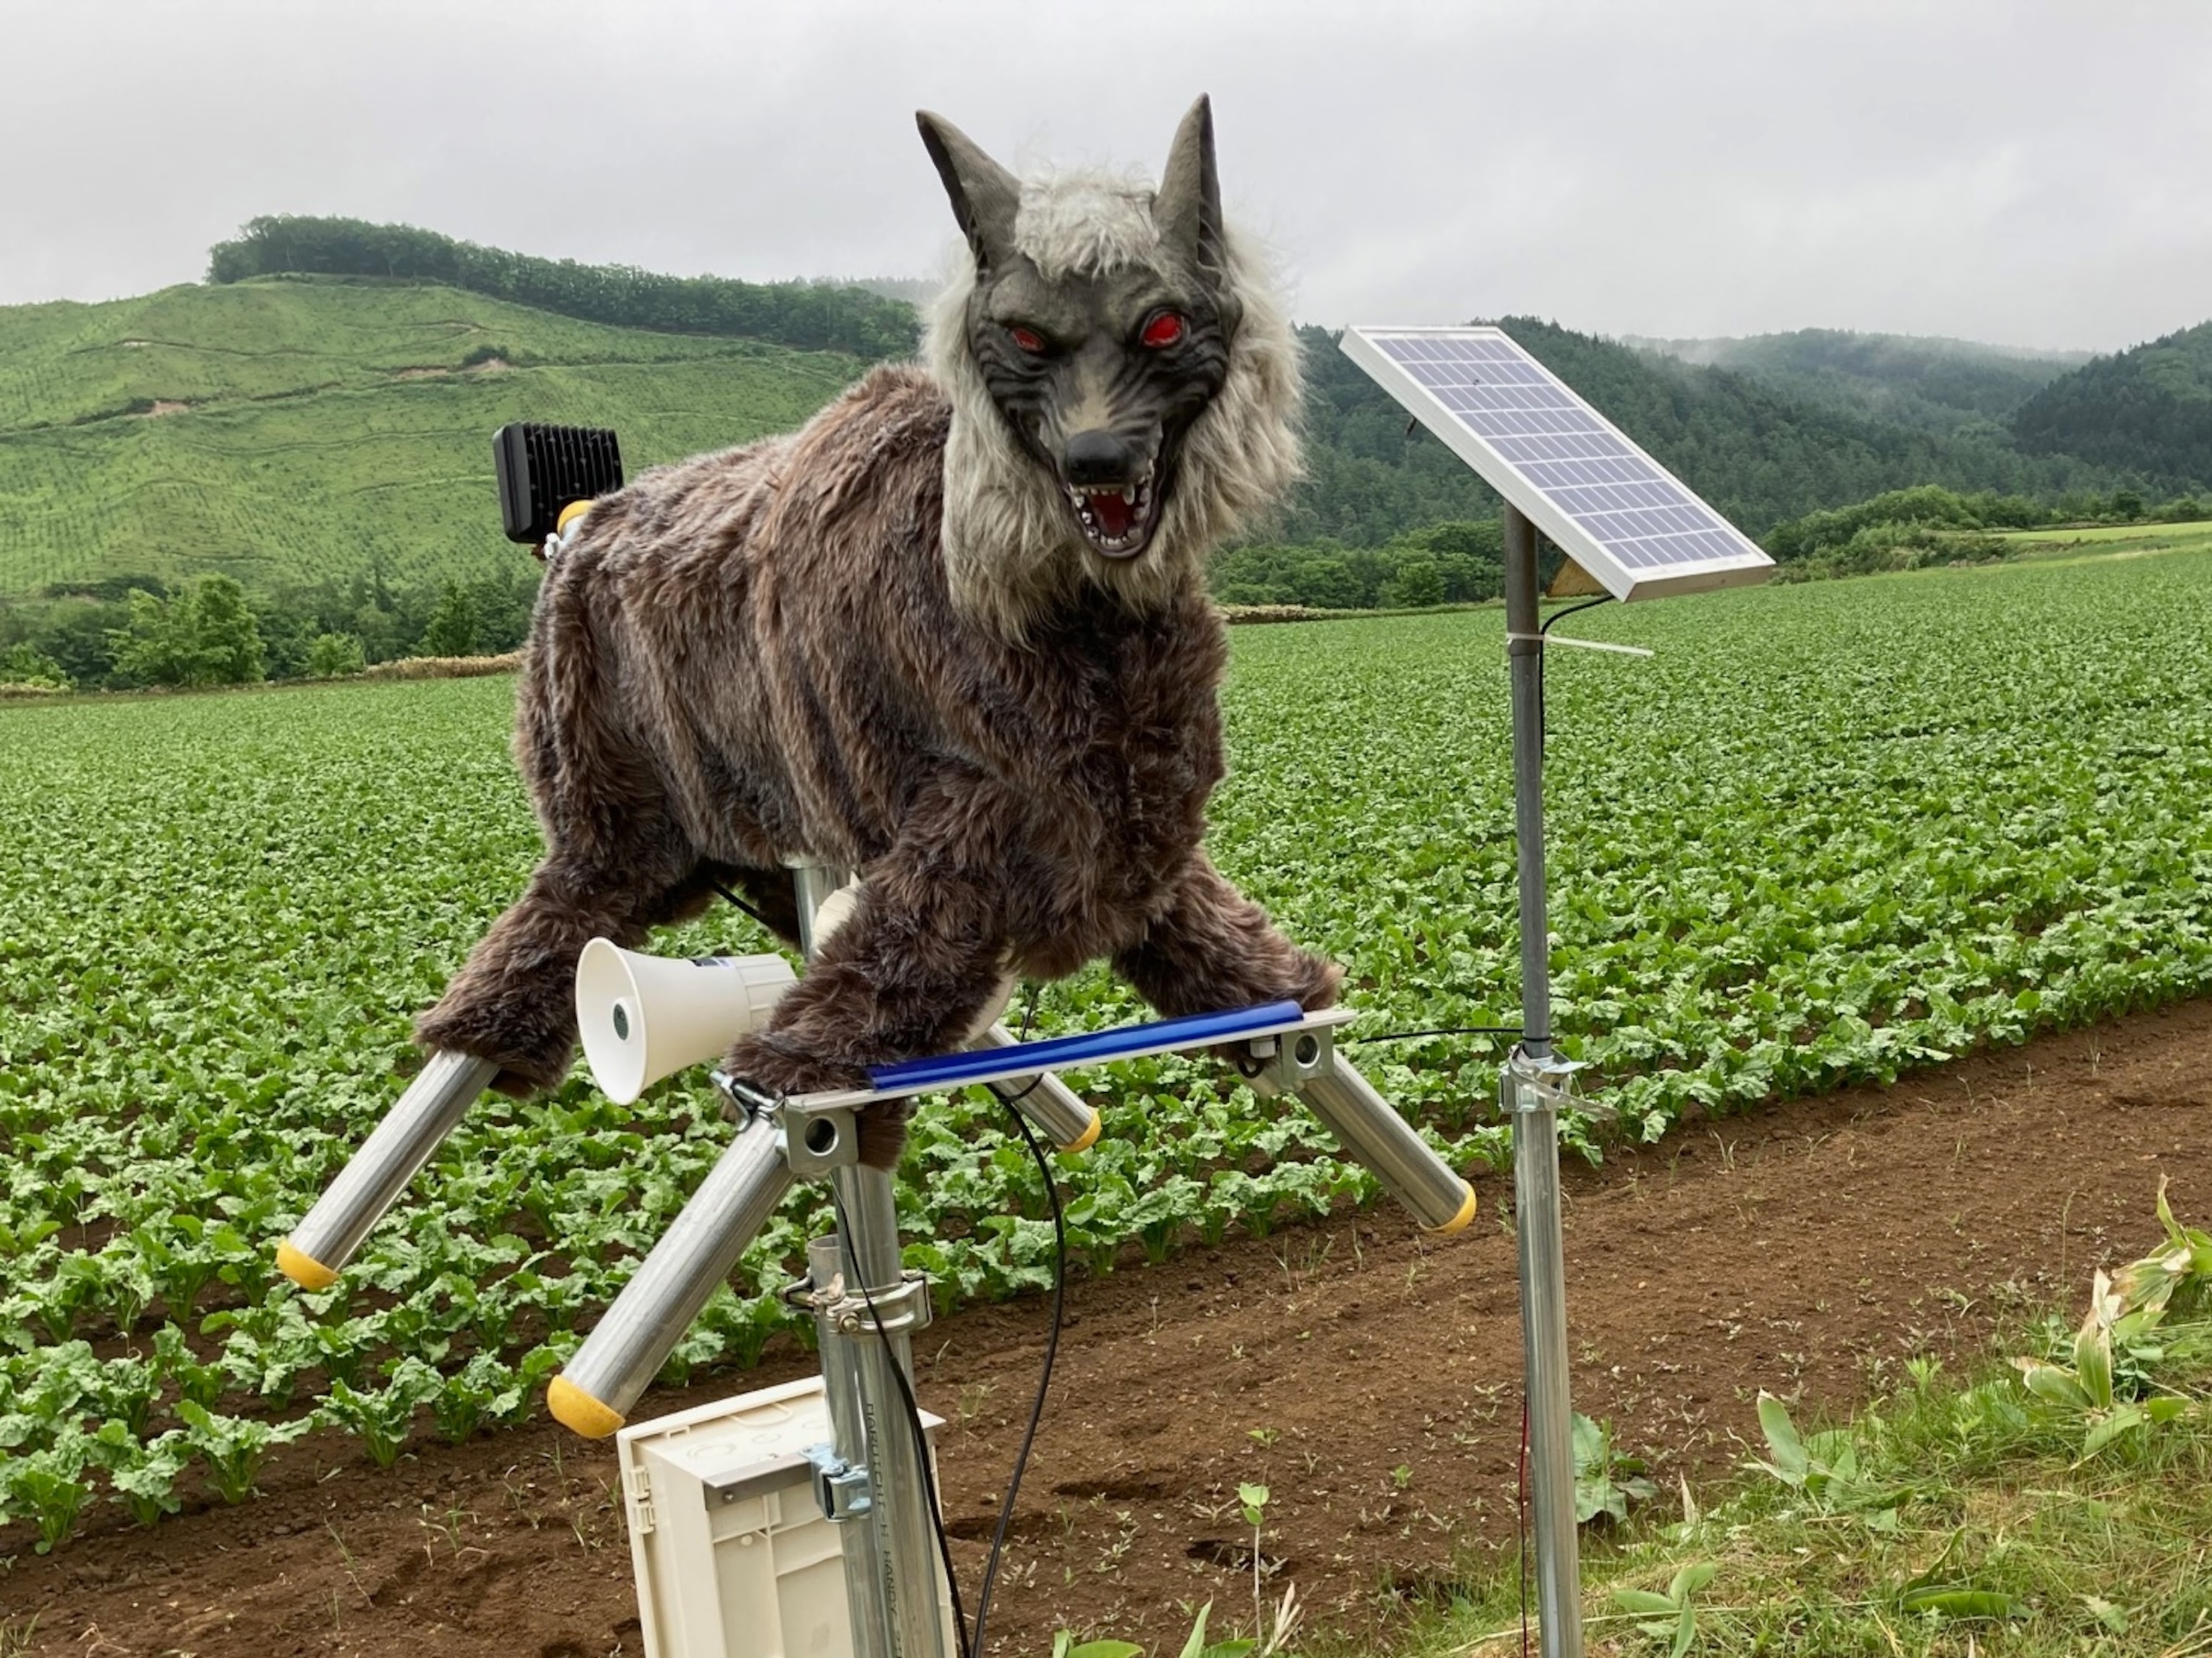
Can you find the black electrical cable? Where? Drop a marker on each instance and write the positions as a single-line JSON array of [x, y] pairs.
[[1543, 727], [968, 1648], [740, 903], [1447, 1030], [1587, 604], [1044, 1377], [971, 1641]]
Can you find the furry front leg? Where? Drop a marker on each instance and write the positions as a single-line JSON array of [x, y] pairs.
[[1216, 949], [514, 1003], [909, 974]]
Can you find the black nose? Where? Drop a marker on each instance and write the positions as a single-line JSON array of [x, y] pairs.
[[1099, 457]]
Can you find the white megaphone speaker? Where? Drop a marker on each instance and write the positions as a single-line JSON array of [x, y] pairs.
[[644, 1018]]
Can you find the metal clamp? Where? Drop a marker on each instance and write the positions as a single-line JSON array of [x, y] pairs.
[[1285, 1063], [842, 1489], [748, 1100], [1544, 1082], [819, 1138], [900, 1310]]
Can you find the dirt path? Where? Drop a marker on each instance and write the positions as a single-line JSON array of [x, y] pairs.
[[1370, 1379]]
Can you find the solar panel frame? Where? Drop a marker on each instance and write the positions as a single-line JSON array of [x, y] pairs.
[[1621, 487]]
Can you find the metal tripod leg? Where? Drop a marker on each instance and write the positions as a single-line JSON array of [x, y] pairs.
[[432, 1106]]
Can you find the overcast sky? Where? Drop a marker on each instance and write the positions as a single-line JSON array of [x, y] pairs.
[[2033, 174]]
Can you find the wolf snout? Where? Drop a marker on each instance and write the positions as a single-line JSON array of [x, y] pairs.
[[1099, 458]]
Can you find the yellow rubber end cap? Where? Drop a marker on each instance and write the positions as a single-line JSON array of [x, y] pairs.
[[303, 1269], [1085, 1140], [576, 1410], [569, 514], [1458, 1223]]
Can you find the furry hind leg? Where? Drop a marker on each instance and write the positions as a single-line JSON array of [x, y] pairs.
[[1215, 949]]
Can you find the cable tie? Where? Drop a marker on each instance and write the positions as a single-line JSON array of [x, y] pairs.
[[1581, 644]]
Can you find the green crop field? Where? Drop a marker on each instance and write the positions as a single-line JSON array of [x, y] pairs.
[[2112, 538], [274, 431], [1825, 832]]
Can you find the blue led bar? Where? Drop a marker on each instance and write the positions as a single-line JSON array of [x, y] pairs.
[[1127, 1041]]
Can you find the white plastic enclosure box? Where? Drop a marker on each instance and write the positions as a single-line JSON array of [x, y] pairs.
[[733, 1556]]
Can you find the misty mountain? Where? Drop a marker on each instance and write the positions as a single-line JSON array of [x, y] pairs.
[[1933, 384]]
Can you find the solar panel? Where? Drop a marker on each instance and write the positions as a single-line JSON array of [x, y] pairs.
[[1627, 520]]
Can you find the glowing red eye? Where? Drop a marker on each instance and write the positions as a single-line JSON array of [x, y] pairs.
[[1028, 338], [1163, 330]]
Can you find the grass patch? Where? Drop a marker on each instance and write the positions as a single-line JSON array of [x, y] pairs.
[[2108, 539], [1967, 1513]]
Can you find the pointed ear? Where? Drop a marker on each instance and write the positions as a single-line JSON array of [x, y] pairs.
[[984, 194], [1188, 208]]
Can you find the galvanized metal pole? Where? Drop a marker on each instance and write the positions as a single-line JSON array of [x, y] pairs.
[[894, 1547], [1536, 1134]]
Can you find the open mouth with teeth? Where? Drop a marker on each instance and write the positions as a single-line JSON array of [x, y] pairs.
[[1117, 519]]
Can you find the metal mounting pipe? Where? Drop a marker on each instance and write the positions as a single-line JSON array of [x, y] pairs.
[[892, 1550], [1045, 1100], [1539, 1239]]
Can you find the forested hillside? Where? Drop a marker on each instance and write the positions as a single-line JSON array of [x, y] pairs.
[[2148, 409], [1935, 384], [1759, 457], [811, 316]]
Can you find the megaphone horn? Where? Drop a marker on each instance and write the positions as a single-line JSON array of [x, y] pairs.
[[643, 1018]]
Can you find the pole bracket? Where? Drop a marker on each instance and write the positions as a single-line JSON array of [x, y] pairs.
[[1533, 1083], [901, 1309], [842, 1489]]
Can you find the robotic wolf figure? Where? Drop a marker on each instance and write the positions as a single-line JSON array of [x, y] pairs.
[[954, 634]]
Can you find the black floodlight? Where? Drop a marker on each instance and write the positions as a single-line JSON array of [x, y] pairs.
[[1625, 518], [543, 469]]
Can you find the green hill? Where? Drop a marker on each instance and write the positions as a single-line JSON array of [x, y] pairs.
[[1931, 384], [2149, 409], [286, 431], [314, 431]]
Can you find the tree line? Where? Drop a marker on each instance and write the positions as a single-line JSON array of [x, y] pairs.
[[130, 632], [1463, 561], [811, 316]]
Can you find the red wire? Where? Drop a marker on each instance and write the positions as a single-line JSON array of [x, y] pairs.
[[1522, 1502]]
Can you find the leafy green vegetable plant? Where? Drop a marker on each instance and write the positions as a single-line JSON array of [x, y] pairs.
[[1673, 1615], [234, 1447], [1606, 1481]]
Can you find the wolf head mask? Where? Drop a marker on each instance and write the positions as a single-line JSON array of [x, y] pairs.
[[1125, 389]]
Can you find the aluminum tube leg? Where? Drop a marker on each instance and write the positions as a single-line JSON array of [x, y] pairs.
[[1536, 1135], [1365, 1124], [1047, 1102], [905, 1529], [434, 1104], [630, 1343]]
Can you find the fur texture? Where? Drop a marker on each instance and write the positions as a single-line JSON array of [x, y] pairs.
[[884, 642]]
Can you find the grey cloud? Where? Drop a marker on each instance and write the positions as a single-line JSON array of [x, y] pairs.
[[2033, 173]]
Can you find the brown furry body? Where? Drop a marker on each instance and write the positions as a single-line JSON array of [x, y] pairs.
[[757, 656]]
